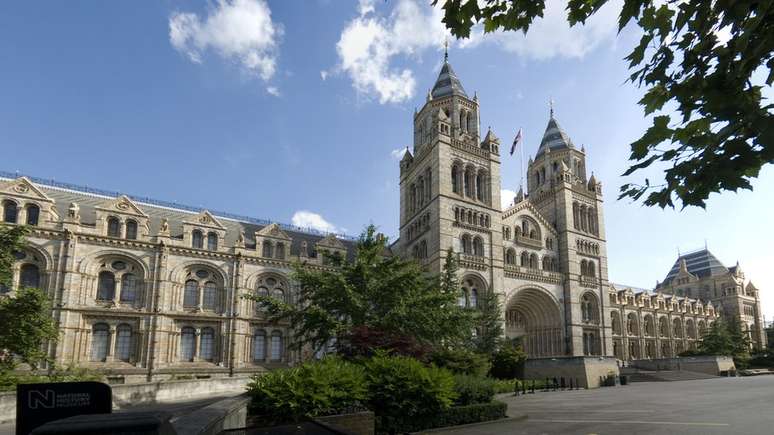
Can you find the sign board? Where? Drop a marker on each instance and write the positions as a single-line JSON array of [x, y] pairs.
[[38, 404]]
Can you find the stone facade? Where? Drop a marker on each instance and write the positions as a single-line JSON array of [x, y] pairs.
[[148, 290]]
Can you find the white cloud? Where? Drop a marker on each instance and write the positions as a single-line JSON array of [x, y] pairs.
[[324, 75], [308, 219], [273, 91], [506, 198], [398, 153], [552, 36], [370, 43], [237, 30]]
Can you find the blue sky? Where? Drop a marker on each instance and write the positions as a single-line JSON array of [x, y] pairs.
[[294, 110]]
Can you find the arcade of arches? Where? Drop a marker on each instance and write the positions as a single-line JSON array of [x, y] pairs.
[[533, 317]]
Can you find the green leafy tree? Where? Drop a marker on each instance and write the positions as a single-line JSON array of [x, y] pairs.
[[740, 341], [508, 361], [384, 293], [717, 341], [713, 130], [26, 315], [489, 324]]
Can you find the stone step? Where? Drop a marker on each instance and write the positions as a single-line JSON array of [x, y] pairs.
[[665, 376]]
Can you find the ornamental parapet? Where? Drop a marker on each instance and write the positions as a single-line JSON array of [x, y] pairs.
[[471, 261], [469, 148], [512, 271], [529, 242], [588, 281]]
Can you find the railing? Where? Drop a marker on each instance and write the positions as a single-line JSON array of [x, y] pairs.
[[471, 261], [530, 242], [589, 281], [475, 150], [168, 204], [513, 271]]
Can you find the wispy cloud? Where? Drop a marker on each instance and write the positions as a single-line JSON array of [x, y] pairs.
[[273, 91], [308, 219], [240, 31], [397, 153], [506, 198]]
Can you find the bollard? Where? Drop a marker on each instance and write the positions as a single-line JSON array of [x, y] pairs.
[[516, 388], [524, 387], [577, 384], [570, 383], [556, 384], [547, 386], [533, 387], [561, 383]]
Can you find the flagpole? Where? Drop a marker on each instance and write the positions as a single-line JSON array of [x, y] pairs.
[[521, 160]]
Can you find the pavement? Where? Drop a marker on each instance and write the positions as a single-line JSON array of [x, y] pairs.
[[709, 406]]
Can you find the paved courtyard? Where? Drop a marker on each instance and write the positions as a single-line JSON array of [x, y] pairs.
[[713, 406]]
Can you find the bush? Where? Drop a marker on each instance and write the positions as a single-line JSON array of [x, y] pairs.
[[9, 379], [505, 385], [762, 361], [463, 362], [473, 389], [364, 342], [402, 390], [508, 363], [454, 416], [329, 386]]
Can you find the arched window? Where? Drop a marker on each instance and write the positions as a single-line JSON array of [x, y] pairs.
[[100, 337], [524, 259], [677, 328], [650, 328], [467, 244], [480, 186], [191, 294], [473, 298], [259, 345], [210, 296], [10, 212], [187, 344], [212, 242], [663, 327], [280, 251], [471, 288], [615, 321], [592, 269], [455, 175], [510, 256], [478, 247], [106, 286], [469, 122], [469, 192], [207, 350], [124, 342], [270, 285], [131, 230], [588, 308], [631, 324], [33, 214], [546, 263], [462, 123], [267, 249], [533, 261], [197, 239], [29, 276], [462, 299], [128, 288], [278, 294], [276, 346], [262, 292], [114, 227]]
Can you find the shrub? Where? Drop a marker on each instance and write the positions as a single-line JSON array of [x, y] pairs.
[[402, 390], [325, 387], [454, 416], [363, 341], [505, 385], [463, 362], [473, 389], [508, 363], [9, 379], [762, 361]]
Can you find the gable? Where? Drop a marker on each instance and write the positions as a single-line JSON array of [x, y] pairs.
[[533, 213], [206, 219], [330, 241], [273, 231], [23, 187], [124, 205]]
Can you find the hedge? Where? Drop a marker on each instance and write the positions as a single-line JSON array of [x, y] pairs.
[[453, 416]]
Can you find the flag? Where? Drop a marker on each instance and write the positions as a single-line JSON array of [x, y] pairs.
[[516, 141]]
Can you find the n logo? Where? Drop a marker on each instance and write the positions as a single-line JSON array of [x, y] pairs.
[[42, 399]]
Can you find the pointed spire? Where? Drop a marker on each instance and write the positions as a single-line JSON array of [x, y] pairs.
[[446, 50], [592, 182], [683, 265], [554, 138], [447, 82], [551, 107], [519, 195]]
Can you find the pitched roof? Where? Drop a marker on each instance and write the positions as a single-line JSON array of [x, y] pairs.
[[554, 138], [447, 83], [700, 263]]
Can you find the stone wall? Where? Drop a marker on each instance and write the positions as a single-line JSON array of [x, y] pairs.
[[586, 370], [712, 365]]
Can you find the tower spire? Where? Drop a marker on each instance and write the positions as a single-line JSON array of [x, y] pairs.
[[446, 49], [551, 106]]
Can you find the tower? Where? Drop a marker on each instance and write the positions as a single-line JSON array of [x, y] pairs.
[[559, 188], [450, 188]]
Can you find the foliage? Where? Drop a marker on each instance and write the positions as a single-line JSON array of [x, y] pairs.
[[11, 241], [506, 385], [508, 362], [324, 387], [9, 379], [726, 338], [381, 292], [762, 360], [364, 341], [713, 127], [461, 361], [454, 416], [473, 389], [489, 323], [402, 390]]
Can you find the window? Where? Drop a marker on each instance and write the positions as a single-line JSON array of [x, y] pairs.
[[128, 288], [462, 299], [212, 242], [467, 246], [510, 256], [10, 212], [197, 239], [474, 298], [280, 251], [480, 187], [455, 175], [267, 249], [114, 227], [277, 293], [187, 344], [207, 350], [29, 276], [100, 336], [191, 294], [124, 342], [259, 346], [106, 286], [276, 346], [478, 247], [33, 214], [262, 291], [210, 296], [270, 285], [131, 230], [587, 308]]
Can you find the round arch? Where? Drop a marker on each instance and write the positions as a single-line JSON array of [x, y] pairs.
[[533, 316], [91, 263]]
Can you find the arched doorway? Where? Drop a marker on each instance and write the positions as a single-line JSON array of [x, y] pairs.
[[533, 317]]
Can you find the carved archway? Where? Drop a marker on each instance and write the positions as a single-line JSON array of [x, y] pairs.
[[533, 316]]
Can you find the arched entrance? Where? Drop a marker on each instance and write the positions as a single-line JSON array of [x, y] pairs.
[[533, 316]]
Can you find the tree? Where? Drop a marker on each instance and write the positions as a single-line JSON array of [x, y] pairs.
[[387, 295], [489, 323], [721, 131], [25, 316], [717, 341]]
